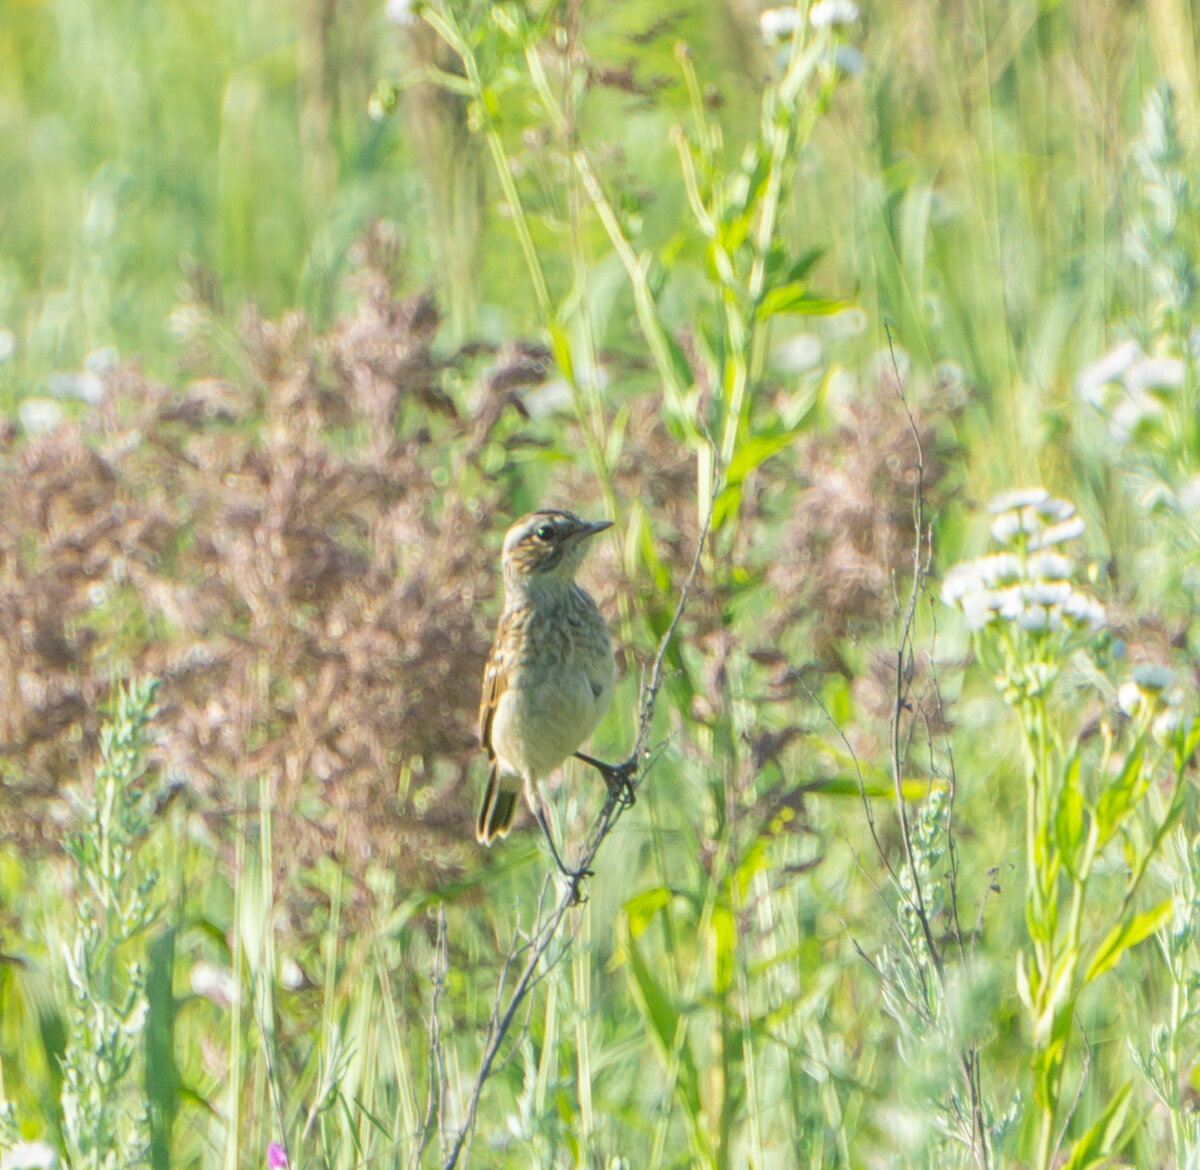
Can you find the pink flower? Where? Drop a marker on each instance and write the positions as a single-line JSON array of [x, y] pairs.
[[276, 1157]]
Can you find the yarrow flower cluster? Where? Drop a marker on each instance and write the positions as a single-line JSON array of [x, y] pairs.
[[1129, 388], [825, 13], [777, 23], [1154, 698], [29, 1156], [1028, 583]]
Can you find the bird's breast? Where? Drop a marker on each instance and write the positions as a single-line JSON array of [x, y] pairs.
[[560, 689]]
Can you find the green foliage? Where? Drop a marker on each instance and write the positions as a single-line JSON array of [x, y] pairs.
[[1029, 619], [832, 279], [105, 1122]]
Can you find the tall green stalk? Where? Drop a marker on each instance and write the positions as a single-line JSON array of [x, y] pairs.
[[1028, 620]]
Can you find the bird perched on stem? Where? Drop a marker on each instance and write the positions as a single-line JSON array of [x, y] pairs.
[[550, 675]]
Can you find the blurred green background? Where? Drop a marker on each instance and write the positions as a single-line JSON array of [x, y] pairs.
[[292, 520]]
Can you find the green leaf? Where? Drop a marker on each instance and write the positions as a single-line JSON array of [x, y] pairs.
[[1121, 794], [662, 1019], [1024, 990], [1057, 1001], [1096, 1146], [782, 268], [795, 298], [912, 789], [680, 366], [749, 455], [1189, 741], [1069, 817], [803, 265], [755, 451], [732, 233], [560, 346], [1046, 1065], [641, 909], [743, 192], [1125, 935], [864, 778], [614, 441], [756, 859], [722, 931]]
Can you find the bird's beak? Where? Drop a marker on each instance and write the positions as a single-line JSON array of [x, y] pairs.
[[588, 528]]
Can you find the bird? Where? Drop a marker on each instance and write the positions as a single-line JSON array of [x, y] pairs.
[[550, 675]]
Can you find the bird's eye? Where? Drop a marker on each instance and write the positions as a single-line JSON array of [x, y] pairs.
[[545, 532]]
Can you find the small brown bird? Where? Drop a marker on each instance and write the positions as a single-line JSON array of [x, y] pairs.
[[550, 675]]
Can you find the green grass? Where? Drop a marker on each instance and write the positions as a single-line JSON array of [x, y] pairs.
[[753, 981]]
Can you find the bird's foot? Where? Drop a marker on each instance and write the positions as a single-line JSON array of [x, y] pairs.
[[618, 777], [574, 877], [575, 882]]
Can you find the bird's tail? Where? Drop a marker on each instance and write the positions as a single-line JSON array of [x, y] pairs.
[[497, 810]]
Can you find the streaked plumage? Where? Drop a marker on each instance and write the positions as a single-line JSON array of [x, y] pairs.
[[550, 675]]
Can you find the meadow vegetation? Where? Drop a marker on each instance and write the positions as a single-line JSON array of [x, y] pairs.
[[871, 330]]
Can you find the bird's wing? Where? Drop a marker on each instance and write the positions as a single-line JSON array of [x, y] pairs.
[[495, 682]]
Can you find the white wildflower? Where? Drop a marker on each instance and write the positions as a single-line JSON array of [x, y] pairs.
[[826, 13], [961, 580], [1189, 494], [101, 360], [1031, 520], [1054, 510], [1085, 610], [1020, 498], [799, 353], [1029, 586], [1049, 566], [1130, 698], [1010, 603], [1158, 373], [998, 568], [950, 375], [1006, 526], [776, 23], [979, 608], [84, 385], [291, 974], [1038, 619], [399, 12], [1047, 592], [1107, 369], [1128, 416], [39, 416], [1058, 533], [29, 1156], [214, 983], [1158, 497], [1166, 724]]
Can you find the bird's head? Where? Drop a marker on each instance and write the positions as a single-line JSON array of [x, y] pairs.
[[545, 548]]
